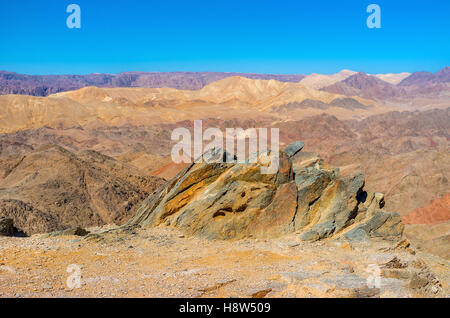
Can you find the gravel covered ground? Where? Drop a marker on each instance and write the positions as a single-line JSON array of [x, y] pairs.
[[161, 262]]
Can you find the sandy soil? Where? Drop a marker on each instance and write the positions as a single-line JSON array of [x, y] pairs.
[[161, 262]]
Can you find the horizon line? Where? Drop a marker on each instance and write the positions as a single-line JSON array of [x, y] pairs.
[[209, 71]]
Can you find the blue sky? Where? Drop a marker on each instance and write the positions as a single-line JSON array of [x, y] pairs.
[[261, 36]]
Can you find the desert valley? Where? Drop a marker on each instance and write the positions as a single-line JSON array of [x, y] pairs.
[[86, 177]]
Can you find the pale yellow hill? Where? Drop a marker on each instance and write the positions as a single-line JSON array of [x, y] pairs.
[[260, 94], [232, 97], [263, 94], [18, 112], [393, 78], [318, 81]]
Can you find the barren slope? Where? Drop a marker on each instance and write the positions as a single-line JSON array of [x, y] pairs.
[[51, 189]]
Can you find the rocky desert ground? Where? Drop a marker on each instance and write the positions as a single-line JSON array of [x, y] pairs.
[[163, 262]]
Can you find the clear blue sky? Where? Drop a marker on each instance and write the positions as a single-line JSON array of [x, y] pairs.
[[277, 36]]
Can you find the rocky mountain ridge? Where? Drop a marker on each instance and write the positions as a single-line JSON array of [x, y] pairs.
[[53, 189], [44, 85]]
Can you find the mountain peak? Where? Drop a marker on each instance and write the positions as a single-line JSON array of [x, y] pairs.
[[346, 71], [426, 78], [362, 79]]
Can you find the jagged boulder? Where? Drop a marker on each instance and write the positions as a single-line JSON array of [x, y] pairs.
[[294, 148], [220, 200], [382, 224]]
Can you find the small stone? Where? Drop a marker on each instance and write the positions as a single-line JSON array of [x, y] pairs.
[[346, 246], [310, 236], [395, 263], [417, 281], [261, 293], [357, 235], [395, 273], [434, 290], [403, 244]]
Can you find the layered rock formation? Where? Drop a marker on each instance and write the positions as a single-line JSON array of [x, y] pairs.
[[220, 200]]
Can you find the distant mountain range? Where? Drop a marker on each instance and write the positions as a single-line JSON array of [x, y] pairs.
[[367, 86], [242, 97], [382, 87], [424, 78], [44, 85]]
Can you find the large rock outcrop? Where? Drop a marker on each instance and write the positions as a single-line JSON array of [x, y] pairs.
[[221, 200]]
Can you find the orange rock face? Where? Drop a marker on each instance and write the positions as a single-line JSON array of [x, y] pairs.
[[436, 212]]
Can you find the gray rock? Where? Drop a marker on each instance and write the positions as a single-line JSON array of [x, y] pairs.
[[293, 148], [310, 235], [311, 183], [382, 224], [324, 229], [357, 234]]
